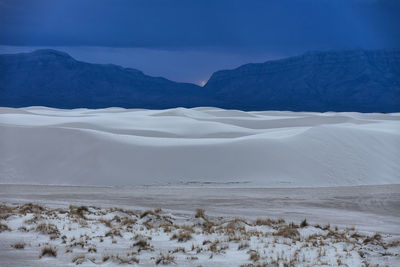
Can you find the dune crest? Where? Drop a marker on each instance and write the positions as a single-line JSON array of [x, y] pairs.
[[118, 146]]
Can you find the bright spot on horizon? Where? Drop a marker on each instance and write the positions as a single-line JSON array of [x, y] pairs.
[[202, 83]]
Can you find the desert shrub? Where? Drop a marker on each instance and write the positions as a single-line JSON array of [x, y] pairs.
[[19, 245], [47, 229], [178, 249], [142, 244], [48, 251], [304, 223], [187, 228], [5, 212], [182, 236], [105, 222], [127, 260], [287, 231], [243, 245], [146, 213], [254, 256], [4, 227], [23, 229], [92, 250], [113, 232], [30, 208], [157, 210], [78, 211], [128, 221], [79, 259], [165, 259], [268, 221], [394, 243], [200, 213]]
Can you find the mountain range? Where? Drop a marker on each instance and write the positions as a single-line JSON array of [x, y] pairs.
[[354, 80]]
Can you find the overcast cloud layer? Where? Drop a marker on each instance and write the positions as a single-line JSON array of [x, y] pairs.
[[251, 30]]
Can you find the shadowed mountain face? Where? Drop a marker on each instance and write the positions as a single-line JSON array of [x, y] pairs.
[[364, 81], [52, 78]]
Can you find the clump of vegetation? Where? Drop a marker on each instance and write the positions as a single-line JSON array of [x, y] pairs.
[[288, 231], [79, 259], [4, 227], [127, 260], [254, 256], [269, 222], [376, 238], [19, 245], [178, 249], [142, 245], [113, 232], [165, 259], [243, 245], [128, 221], [5, 212], [304, 223], [187, 228], [106, 258], [147, 212], [78, 211], [47, 229], [200, 213], [105, 222], [48, 251], [182, 236], [31, 208]]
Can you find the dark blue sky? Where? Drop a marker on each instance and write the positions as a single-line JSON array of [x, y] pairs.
[[186, 40]]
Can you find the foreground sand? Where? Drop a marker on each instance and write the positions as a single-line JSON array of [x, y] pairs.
[[159, 147], [349, 226]]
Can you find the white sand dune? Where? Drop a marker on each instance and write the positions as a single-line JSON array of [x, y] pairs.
[[117, 146]]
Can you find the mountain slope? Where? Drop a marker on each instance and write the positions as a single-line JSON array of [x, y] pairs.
[[52, 78], [366, 81], [358, 80]]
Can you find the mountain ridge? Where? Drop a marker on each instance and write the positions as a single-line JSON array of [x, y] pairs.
[[351, 80]]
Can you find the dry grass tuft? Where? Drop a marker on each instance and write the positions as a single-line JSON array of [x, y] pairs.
[[287, 231], [178, 249], [48, 251], [47, 229], [142, 244], [165, 259], [187, 228], [4, 227], [243, 245], [19, 245], [254, 256], [113, 232], [182, 236], [269, 222], [304, 223], [147, 212], [128, 221], [31, 208], [79, 259], [106, 222], [200, 213], [127, 260], [78, 211]]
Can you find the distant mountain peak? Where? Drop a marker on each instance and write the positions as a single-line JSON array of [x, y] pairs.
[[353, 80], [51, 52]]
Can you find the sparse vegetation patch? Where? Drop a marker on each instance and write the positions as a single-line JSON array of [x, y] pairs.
[[81, 234]]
